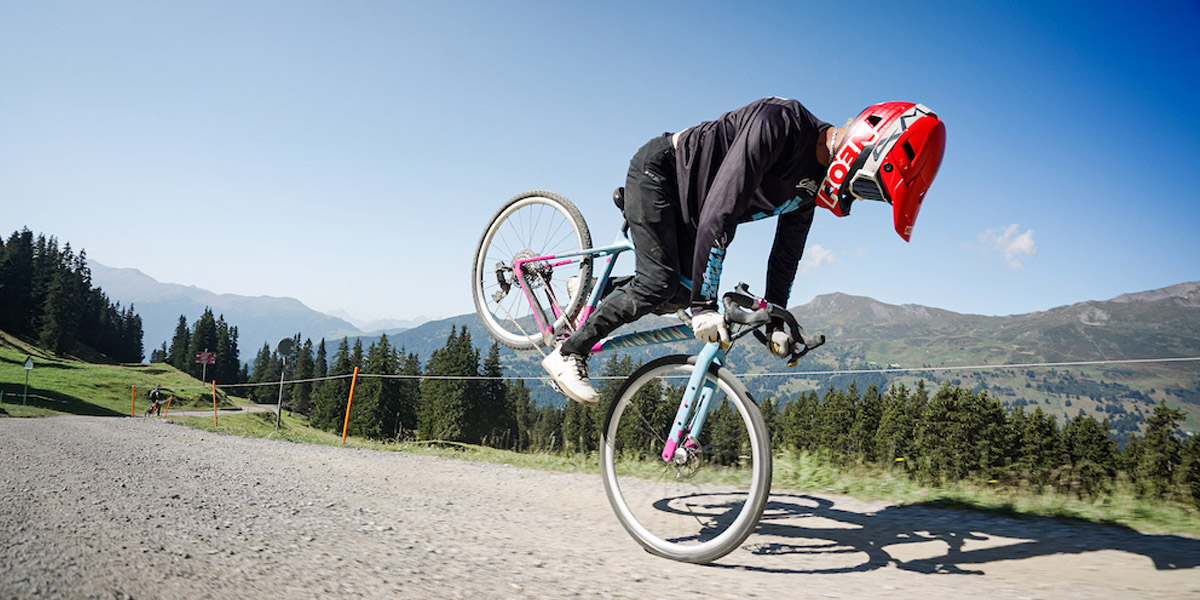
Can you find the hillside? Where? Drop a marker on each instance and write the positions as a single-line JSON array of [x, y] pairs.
[[66, 385]]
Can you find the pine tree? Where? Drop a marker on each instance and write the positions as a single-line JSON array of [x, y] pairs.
[[547, 430], [45, 263], [894, 436], [1161, 453], [410, 396], [961, 434], [799, 423], [1191, 465], [60, 310], [159, 355], [373, 414], [181, 345], [770, 414], [1092, 454], [836, 417], [204, 339], [262, 372], [580, 433], [445, 402], [16, 283], [130, 350], [329, 410], [724, 437], [320, 371], [868, 411], [1041, 452], [615, 370], [302, 389], [497, 418], [524, 412], [226, 368]]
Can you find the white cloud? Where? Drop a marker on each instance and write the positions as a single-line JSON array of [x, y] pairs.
[[815, 256], [1013, 245]]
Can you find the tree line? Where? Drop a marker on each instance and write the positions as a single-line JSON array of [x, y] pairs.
[[207, 334], [951, 435], [46, 294], [960, 434]]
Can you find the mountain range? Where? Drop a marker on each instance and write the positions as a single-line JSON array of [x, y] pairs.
[[259, 319], [1019, 359]]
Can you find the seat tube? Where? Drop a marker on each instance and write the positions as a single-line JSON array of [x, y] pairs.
[[697, 394]]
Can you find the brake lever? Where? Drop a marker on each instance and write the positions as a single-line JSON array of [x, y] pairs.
[[802, 347]]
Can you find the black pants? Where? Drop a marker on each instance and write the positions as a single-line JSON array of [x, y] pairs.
[[660, 240]]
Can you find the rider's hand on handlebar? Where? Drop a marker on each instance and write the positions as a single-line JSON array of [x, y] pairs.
[[780, 343], [778, 340], [710, 326]]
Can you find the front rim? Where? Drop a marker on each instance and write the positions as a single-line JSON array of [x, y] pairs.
[[704, 508], [530, 226]]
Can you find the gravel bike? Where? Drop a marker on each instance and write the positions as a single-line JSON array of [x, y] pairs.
[[685, 453]]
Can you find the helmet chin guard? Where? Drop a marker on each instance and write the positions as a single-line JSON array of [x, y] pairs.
[[891, 153]]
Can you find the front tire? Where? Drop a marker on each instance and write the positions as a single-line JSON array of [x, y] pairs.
[[696, 510]]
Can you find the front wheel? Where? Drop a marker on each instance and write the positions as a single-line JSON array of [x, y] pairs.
[[705, 503], [531, 225]]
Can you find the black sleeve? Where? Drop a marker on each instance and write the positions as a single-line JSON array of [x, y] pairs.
[[791, 233], [751, 154]]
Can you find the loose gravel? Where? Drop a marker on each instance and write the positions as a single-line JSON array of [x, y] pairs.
[[140, 508]]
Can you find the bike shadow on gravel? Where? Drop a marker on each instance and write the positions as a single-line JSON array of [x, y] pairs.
[[932, 540]]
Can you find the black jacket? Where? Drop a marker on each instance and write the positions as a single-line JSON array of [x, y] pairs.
[[751, 163]]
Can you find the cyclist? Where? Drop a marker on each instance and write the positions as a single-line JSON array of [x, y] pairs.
[[686, 193], [155, 402]]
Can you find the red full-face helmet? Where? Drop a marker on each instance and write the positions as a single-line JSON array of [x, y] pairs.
[[890, 152]]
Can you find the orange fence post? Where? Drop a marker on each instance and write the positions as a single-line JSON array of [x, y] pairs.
[[214, 403], [349, 401], [165, 412], [132, 397]]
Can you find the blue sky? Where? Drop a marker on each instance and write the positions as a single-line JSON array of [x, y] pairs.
[[349, 154]]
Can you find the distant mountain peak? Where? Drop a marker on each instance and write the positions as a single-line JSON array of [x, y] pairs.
[[259, 319], [1185, 294], [864, 309]]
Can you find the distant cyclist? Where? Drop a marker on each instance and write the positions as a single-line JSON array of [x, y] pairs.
[[686, 193], [155, 402]]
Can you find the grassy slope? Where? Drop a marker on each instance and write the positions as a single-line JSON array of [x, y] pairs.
[[81, 388]]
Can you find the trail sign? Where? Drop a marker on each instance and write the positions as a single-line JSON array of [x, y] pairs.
[[28, 368], [206, 358]]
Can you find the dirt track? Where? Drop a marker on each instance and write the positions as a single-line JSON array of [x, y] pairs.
[[139, 508]]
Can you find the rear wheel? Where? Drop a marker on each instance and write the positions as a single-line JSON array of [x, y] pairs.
[[705, 503], [537, 223]]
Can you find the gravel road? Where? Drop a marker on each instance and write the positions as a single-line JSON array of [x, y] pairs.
[[140, 508]]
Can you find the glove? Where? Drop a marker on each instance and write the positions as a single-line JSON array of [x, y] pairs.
[[709, 326], [780, 343]]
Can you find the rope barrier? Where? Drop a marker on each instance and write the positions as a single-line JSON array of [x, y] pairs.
[[832, 372]]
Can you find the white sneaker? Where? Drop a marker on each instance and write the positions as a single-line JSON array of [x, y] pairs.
[[570, 374]]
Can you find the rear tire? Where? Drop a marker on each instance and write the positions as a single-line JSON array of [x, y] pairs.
[[536, 223]]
